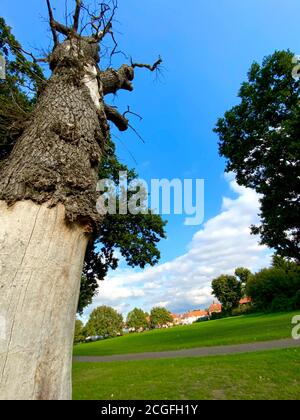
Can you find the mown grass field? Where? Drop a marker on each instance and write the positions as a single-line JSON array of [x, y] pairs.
[[264, 375], [237, 330]]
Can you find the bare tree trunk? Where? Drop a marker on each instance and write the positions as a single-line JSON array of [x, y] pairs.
[[41, 260]]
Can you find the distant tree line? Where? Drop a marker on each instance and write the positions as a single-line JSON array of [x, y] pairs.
[[106, 322]]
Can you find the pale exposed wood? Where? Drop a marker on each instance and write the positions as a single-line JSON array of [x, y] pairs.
[[41, 262]]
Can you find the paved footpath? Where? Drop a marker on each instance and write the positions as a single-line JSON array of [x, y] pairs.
[[196, 352]]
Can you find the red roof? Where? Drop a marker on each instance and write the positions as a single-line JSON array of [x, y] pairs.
[[195, 314], [245, 300], [215, 307]]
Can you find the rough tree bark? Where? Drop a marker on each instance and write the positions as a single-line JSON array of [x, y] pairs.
[[47, 210], [41, 264]]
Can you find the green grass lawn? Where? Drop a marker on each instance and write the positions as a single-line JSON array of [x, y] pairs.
[[237, 330], [262, 375]]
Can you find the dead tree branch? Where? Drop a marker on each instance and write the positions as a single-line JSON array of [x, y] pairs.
[[137, 133], [132, 113], [114, 80], [77, 15], [115, 117], [154, 67], [108, 25], [59, 27], [52, 24]]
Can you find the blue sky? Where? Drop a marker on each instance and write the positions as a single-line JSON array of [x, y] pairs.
[[207, 47]]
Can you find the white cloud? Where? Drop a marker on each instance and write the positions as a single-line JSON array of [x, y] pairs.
[[223, 244]]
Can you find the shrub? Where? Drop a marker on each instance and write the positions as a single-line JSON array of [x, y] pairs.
[[243, 310], [296, 300], [281, 303], [218, 315]]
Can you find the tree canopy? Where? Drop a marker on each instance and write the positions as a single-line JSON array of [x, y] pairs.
[[79, 334], [104, 321], [276, 288], [137, 318], [228, 290], [259, 137], [159, 317]]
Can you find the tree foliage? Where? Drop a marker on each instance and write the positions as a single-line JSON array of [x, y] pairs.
[[260, 140], [228, 290], [79, 334], [159, 317], [137, 319], [276, 288], [18, 91], [104, 321], [243, 274], [134, 236]]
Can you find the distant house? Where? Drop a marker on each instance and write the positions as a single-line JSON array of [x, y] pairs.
[[245, 301], [215, 308], [193, 316], [176, 319]]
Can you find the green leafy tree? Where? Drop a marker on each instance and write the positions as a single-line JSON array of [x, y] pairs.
[[137, 318], [135, 236], [79, 334], [18, 91], [275, 288], [104, 321], [228, 290], [159, 316], [282, 263], [243, 274], [260, 140]]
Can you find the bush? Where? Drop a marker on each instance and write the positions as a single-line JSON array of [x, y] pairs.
[[218, 315], [202, 320], [296, 300], [243, 310], [281, 303]]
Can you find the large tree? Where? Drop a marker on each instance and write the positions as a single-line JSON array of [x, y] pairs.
[[104, 321], [135, 236], [48, 203], [228, 290], [259, 137], [276, 288], [159, 316], [137, 318]]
